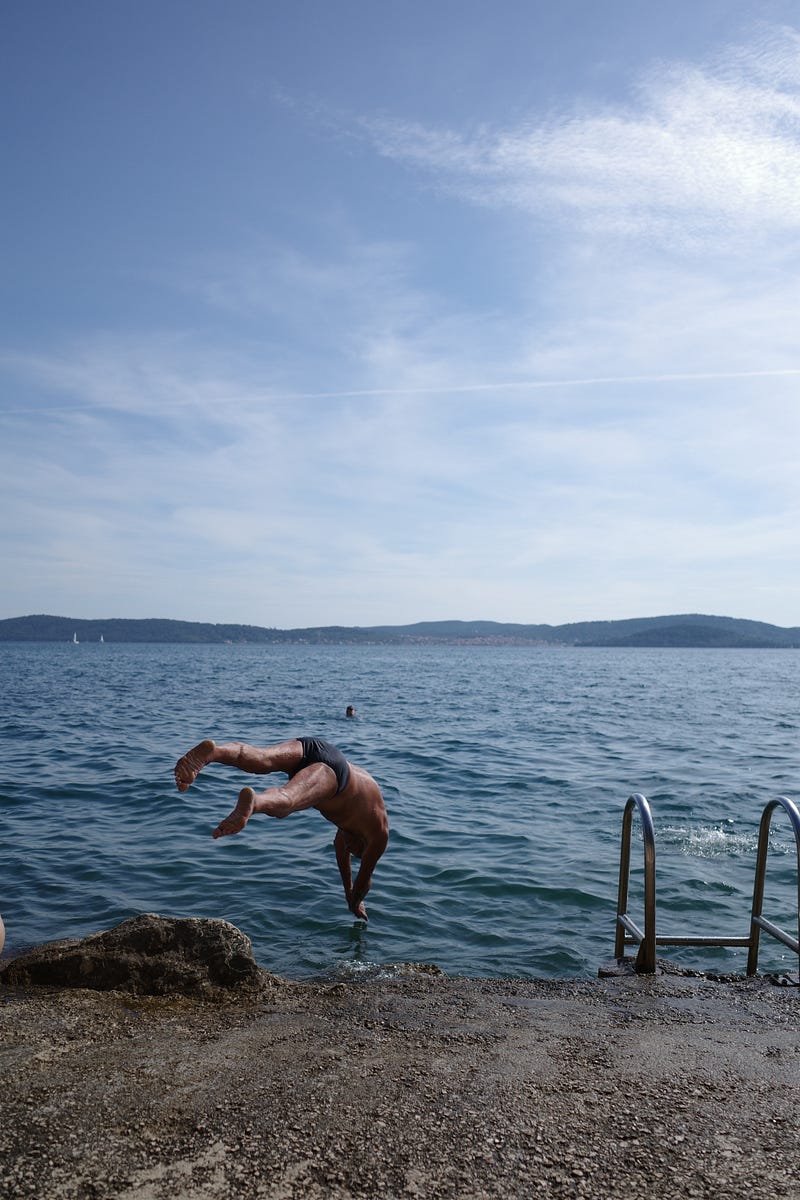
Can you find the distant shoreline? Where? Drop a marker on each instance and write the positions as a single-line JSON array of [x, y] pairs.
[[684, 631]]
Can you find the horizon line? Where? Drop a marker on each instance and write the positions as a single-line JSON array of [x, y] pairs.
[[405, 624]]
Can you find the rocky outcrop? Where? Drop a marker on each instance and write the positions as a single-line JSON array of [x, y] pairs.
[[146, 955]]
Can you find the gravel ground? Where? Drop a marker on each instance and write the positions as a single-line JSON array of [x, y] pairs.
[[412, 1085]]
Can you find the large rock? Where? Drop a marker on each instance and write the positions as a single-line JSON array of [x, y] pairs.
[[147, 955]]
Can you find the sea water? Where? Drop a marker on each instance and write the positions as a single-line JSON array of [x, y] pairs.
[[505, 772]]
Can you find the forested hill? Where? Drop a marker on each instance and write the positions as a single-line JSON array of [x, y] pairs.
[[687, 631]]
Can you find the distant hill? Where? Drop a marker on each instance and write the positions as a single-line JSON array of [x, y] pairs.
[[693, 630]]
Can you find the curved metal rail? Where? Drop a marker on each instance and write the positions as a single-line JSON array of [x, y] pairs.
[[646, 939], [757, 921], [628, 932]]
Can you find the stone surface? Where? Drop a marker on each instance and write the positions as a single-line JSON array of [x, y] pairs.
[[404, 1086], [146, 955]]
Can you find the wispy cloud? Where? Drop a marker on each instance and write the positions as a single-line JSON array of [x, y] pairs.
[[698, 153], [401, 505]]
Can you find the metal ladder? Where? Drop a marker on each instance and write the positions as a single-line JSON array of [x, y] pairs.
[[629, 933]]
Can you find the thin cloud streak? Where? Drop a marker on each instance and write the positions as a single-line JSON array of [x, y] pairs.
[[536, 384], [446, 389]]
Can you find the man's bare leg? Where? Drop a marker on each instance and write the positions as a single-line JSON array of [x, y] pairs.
[[285, 756], [309, 787]]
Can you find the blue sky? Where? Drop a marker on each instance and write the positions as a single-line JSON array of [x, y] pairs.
[[349, 312]]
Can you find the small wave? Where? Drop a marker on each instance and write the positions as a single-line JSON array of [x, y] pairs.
[[356, 970], [718, 841]]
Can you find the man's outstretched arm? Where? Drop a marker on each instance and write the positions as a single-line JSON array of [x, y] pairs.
[[343, 863], [369, 860]]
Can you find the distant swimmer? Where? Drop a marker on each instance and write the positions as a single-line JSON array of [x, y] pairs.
[[319, 777], [349, 711]]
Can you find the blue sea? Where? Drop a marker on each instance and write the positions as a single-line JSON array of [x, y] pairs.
[[505, 772]]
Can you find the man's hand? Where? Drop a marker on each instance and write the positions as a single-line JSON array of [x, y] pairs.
[[358, 909]]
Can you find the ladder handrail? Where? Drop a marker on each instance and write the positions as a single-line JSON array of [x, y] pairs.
[[757, 921], [646, 958], [647, 938]]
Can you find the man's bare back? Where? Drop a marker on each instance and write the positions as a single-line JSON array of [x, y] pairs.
[[319, 777]]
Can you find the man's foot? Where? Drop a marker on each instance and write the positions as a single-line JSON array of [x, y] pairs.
[[189, 767], [236, 821]]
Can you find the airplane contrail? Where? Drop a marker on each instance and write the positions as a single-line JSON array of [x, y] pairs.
[[521, 385], [460, 388]]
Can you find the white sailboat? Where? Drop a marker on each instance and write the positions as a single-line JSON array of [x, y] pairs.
[[101, 637], [75, 639]]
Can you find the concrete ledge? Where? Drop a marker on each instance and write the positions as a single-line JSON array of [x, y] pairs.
[[410, 1084]]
